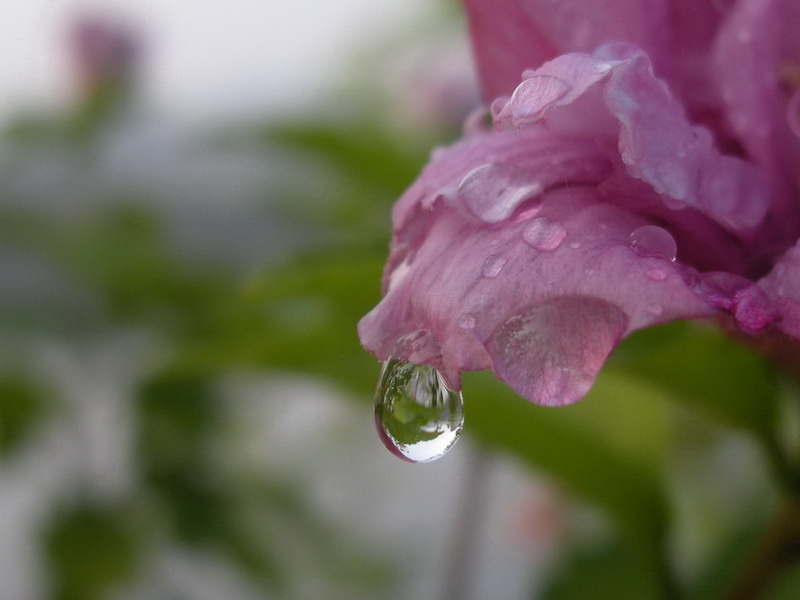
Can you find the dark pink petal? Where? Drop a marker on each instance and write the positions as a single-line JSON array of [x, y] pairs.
[[782, 284], [505, 42], [510, 36], [749, 305]]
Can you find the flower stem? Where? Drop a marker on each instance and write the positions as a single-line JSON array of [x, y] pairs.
[[465, 535], [778, 547]]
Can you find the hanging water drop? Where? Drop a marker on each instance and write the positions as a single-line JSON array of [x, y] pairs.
[[417, 416]]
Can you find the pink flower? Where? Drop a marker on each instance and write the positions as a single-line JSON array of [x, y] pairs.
[[106, 52], [645, 168]]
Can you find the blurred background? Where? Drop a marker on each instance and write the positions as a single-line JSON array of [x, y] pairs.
[[194, 214]]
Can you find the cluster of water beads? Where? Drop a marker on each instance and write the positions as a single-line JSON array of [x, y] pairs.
[[417, 416]]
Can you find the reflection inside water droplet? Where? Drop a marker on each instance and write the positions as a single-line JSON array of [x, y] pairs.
[[417, 416]]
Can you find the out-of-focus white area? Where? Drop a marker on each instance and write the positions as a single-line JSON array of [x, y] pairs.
[[205, 60]]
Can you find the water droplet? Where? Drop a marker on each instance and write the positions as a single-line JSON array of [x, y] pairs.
[[493, 265], [493, 192], [793, 113], [417, 416], [602, 67], [575, 245], [544, 234], [467, 321], [653, 241], [655, 309], [656, 274], [534, 96]]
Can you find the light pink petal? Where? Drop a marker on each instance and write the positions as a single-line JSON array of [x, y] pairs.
[[481, 289], [756, 62], [614, 93]]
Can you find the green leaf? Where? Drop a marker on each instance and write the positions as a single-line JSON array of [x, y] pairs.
[[91, 550], [608, 572], [22, 404], [701, 367], [301, 316]]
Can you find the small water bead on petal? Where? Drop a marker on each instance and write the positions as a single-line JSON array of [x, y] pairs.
[[575, 245], [656, 274], [653, 241], [793, 113], [493, 265], [544, 234], [417, 416], [467, 321], [534, 96], [493, 192], [655, 309], [603, 67]]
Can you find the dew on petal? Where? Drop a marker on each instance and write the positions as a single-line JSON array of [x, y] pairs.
[[493, 192], [793, 113], [653, 241], [467, 321], [655, 309], [417, 416], [535, 95], [575, 245], [656, 274], [544, 234], [602, 67], [493, 265]]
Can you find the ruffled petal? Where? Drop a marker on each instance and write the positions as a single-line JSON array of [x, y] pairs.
[[782, 285], [517, 295], [613, 92]]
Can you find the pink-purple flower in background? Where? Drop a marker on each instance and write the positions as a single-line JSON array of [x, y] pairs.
[[642, 165]]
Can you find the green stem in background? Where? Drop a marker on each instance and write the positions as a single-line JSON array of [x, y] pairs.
[[786, 476], [777, 548], [465, 537]]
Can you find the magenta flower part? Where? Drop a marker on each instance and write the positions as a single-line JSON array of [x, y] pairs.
[[642, 166]]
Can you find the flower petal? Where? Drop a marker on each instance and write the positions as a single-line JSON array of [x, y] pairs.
[[480, 288], [782, 284], [613, 92]]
